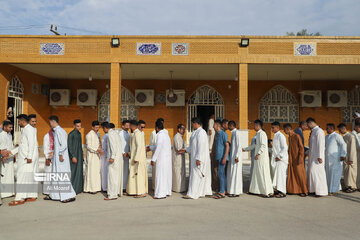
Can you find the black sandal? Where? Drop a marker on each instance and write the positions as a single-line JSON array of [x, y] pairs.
[[280, 195], [47, 198]]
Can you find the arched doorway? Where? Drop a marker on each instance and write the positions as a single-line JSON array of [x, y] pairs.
[[128, 108], [15, 105], [202, 103], [279, 104]]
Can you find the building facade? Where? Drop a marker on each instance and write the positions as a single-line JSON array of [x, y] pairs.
[[239, 78]]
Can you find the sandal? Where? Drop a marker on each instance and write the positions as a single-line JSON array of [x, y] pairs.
[[349, 190], [109, 198], [302, 194], [47, 198], [219, 196], [280, 195], [186, 197], [15, 203], [267, 196], [30, 199], [140, 196], [68, 200]]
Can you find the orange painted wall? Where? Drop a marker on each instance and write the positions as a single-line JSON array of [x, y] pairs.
[[322, 115], [86, 114], [176, 115], [32, 103]]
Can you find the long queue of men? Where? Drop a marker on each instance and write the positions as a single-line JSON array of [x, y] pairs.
[[116, 163], [279, 169]]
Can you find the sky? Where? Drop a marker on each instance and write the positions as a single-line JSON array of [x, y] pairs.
[[181, 17]]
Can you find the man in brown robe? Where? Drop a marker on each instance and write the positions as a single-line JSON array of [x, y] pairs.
[[296, 182], [350, 163]]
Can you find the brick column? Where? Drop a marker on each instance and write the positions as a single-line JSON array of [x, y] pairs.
[[243, 96], [243, 107], [115, 94]]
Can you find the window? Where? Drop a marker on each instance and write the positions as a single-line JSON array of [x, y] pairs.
[[128, 108], [279, 104], [353, 105]]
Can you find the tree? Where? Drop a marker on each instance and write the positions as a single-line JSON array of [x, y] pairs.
[[303, 32]]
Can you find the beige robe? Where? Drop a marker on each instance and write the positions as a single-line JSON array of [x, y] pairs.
[[261, 178], [178, 165], [357, 136], [92, 180], [138, 179], [350, 171]]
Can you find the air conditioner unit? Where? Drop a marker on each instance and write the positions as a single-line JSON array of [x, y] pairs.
[[86, 97], [144, 97], [311, 98], [177, 99], [336, 98], [60, 97]]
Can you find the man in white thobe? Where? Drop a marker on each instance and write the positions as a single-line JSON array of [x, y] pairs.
[[261, 179], [92, 179], [26, 186], [104, 160], [61, 189], [279, 160], [125, 147], [335, 153], [115, 160], [178, 161], [234, 168], [7, 168], [152, 147], [48, 144], [317, 183], [162, 158], [251, 148], [211, 131], [200, 166], [356, 133]]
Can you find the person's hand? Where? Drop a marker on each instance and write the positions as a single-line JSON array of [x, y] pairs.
[[256, 156], [111, 160], [243, 150], [197, 163], [48, 162], [126, 155], [342, 159], [28, 160], [136, 161], [152, 163], [277, 159], [320, 160], [236, 160], [350, 162], [210, 132], [74, 160], [223, 162], [148, 149], [61, 158]]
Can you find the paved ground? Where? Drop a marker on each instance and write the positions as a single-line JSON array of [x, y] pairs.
[[246, 217]]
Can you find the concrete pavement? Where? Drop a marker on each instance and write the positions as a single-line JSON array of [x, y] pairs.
[[246, 217]]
